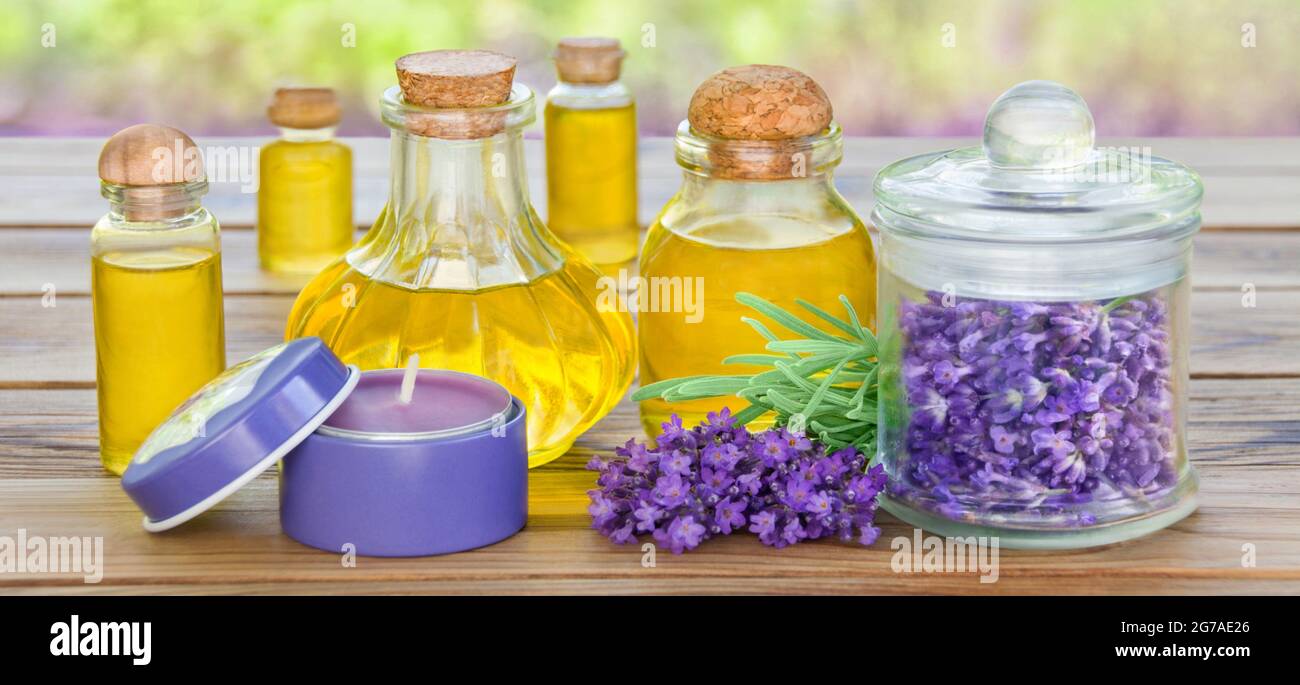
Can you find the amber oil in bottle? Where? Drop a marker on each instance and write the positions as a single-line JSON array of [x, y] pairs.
[[591, 143], [155, 286]]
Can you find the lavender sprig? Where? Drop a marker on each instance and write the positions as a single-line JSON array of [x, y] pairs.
[[822, 383], [718, 478]]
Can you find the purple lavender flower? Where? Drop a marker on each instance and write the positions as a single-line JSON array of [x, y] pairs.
[[718, 478], [670, 491], [682, 534], [1004, 441], [1034, 408], [729, 515]]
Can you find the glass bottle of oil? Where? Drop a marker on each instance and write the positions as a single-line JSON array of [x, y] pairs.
[[155, 286], [757, 212], [591, 153], [304, 198], [459, 269]]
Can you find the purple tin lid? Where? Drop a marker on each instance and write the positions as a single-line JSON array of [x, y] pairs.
[[234, 428]]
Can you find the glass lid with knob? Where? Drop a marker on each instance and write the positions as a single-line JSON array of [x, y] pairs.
[[1039, 177]]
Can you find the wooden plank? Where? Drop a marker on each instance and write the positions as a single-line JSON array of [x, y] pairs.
[[1244, 435], [55, 345], [32, 259], [52, 433], [1250, 182], [240, 545]]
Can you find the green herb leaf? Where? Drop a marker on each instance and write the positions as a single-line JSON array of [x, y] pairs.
[[825, 383]]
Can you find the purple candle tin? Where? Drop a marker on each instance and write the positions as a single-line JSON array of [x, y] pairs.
[[459, 480], [409, 494]]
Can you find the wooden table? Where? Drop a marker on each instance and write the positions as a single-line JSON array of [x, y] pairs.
[[1244, 422]]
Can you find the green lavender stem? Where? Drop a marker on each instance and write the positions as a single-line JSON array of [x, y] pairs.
[[822, 383]]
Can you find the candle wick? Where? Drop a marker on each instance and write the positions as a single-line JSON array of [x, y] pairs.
[[408, 380]]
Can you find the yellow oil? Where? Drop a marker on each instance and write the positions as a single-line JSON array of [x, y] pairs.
[[777, 258], [543, 340], [159, 337], [591, 181], [304, 205]]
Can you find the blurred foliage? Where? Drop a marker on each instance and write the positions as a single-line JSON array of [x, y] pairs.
[[1146, 67]]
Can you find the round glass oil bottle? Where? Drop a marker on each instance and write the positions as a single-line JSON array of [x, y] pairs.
[[591, 153], [155, 286], [304, 198], [757, 212], [459, 269]]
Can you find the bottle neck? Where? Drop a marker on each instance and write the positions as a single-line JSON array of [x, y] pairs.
[[590, 95], [787, 159], [155, 206], [458, 216], [307, 135], [457, 181], [791, 197]]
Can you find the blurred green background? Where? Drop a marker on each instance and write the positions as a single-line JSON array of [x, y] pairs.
[[924, 67]]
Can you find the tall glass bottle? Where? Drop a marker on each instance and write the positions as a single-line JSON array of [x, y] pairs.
[[155, 286], [757, 212], [591, 153], [304, 197], [459, 269]]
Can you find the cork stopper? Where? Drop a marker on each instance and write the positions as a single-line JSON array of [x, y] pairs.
[[457, 80], [759, 102], [150, 155], [589, 60], [304, 108]]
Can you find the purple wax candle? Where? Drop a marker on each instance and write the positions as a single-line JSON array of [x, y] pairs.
[[414, 462], [442, 401]]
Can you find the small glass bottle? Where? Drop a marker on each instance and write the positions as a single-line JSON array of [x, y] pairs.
[[304, 198], [1034, 331], [591, 153], [459, 269], [155, 286], [757, 212]]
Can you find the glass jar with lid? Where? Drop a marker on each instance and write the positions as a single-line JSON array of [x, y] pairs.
[[1034, 331]]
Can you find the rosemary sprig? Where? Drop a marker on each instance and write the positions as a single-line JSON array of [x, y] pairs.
[[820, 383]]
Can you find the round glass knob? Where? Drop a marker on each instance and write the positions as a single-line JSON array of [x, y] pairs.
[[1038, 125]]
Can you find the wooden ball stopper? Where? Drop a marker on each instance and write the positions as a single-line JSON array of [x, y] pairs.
[[150, 155], [759, 102], [589, 60], [304, 108]]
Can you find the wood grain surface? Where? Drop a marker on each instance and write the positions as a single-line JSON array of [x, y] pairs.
[[1244, 420]]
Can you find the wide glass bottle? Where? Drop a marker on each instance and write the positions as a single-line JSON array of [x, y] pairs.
[[1034, 331], [155, 286], [459, 269], [304, 197], [591, 153], [757, 212]]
